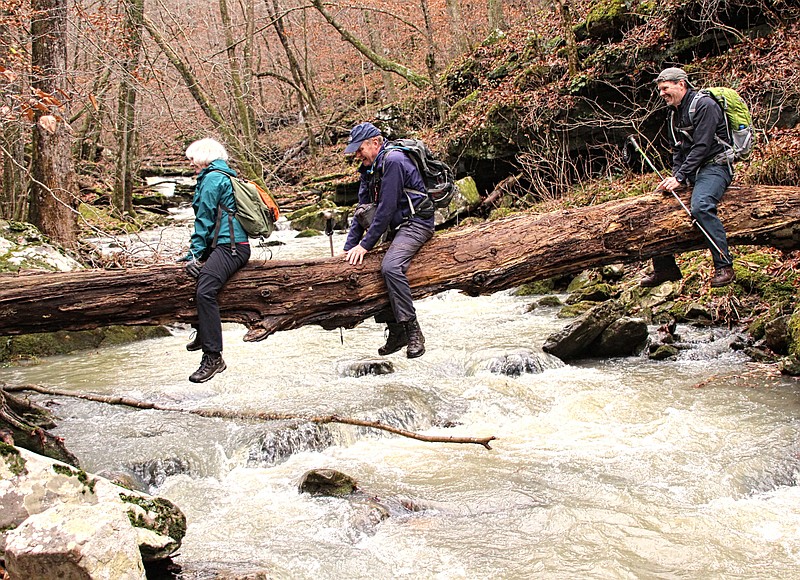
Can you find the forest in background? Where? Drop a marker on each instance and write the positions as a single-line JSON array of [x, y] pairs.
[[537, 96]]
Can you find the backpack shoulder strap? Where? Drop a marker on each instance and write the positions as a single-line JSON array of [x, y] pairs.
[[220, 208]]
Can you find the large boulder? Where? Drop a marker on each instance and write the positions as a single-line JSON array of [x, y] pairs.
[[31, 484], [573, 341], [75, 541], [465, 199], [623, 337]]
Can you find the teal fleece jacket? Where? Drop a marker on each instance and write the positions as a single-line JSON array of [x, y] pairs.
[[212, 188]]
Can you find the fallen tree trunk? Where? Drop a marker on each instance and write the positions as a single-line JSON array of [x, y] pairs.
[[279, 295]]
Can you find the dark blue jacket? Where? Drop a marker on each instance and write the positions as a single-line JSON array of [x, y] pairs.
[[212, 188], [691, 152], [395, 172]]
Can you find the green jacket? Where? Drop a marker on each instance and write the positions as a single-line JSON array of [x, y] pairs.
[[212, 188]]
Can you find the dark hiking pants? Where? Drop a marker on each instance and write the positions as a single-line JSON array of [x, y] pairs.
[[221, 265]]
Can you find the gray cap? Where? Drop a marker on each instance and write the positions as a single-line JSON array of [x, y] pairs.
[[673, 74]]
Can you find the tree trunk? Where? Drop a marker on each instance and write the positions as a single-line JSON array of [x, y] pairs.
[[122, 198], [14, 135], [458, 31], [376, 45], [272, 296], [564, 10], [497, 20], [430, 61], [53, 191]]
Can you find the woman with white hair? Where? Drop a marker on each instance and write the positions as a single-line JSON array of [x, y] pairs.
[[219, 247]]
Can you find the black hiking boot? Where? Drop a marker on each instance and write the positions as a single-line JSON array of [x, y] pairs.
[[396, 340], [416, 342], [195, 344], [209, 366]]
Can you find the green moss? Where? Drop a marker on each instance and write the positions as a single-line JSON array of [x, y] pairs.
[[535, 288], [80, 474], [501, 212], [576, 309], [12, 457], [794, 334], [309, 233], [167, 519], [34, 346]]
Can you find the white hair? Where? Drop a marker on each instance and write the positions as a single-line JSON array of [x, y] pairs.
[[205, 151]]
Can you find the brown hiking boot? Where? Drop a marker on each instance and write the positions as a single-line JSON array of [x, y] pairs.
[[723, 276], [658, 278]]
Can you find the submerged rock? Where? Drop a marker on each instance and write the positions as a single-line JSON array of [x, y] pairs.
[[513, 363], [327, 482], [362, 368]]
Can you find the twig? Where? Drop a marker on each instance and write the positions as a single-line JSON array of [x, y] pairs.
[[260, 415]]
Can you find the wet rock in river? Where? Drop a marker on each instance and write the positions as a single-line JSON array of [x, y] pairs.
[[777, 334], [623, 337], [511, 363], [327, 482], [574, 341], [363, 368]]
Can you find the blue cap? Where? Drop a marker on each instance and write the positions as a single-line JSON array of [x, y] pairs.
[[358, 135]]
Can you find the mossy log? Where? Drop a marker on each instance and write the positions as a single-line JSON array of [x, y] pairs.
[[279, 295]]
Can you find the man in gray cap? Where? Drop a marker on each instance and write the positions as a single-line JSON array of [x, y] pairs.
[[393, 188], [698, 133]]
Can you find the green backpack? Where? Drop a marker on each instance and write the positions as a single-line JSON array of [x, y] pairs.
[[737, 119], [256, 211]]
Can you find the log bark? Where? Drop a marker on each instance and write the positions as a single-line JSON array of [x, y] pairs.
[[280, 295]]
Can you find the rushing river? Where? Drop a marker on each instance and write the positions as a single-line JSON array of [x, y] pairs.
[[621, 468]]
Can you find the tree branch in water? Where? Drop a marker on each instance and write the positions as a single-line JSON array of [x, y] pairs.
[[259, 415]]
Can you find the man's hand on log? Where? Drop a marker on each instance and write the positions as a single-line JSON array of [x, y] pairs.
[[356, 255]]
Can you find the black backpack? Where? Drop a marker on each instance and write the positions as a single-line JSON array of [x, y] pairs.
[[438, 176]]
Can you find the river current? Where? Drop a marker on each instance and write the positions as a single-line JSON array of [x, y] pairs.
[[619, 468]]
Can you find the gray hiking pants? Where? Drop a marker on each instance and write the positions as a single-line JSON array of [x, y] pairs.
[[407, 241]]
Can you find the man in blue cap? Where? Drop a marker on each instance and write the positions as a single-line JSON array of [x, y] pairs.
[[392, 188], [698, 134]]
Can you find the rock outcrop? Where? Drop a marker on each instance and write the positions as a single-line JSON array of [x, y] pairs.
[[61, 522]]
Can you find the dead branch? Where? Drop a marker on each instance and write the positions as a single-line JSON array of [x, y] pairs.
[[249, 415]]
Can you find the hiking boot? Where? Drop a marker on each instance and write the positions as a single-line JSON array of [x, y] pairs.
[[657, 278], [723, 276], [195, 344], [209, 366], [396, 340], [416, 342]]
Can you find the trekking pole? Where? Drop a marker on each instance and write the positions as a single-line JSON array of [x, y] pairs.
[[329, 232], [329, 228], [675, 195]]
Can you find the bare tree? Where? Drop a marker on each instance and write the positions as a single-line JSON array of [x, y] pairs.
[[378, 60], [564, 10], [53, 186], [497, 19], [13, 136], [122, 198], [377, 46], [458, 31]]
